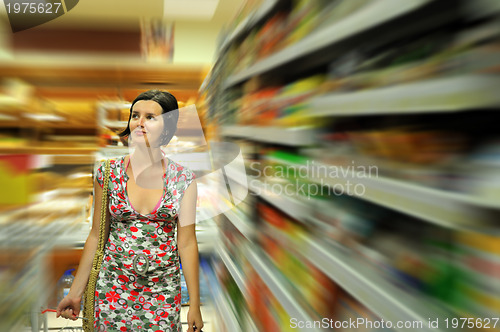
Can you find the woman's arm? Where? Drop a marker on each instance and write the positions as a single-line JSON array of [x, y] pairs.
[[188, 252], [70, 305]]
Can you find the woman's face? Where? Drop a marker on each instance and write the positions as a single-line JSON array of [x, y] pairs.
[[146, 123]]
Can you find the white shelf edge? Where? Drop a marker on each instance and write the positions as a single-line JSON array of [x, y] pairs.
[[233, 269], [224, 309], [248, 22], [365, 18], [448, 209], [447, 94], [250, 327], [297, 136], [280, 291], [366, 284], [114, 124], [242, 225], [452, 210]]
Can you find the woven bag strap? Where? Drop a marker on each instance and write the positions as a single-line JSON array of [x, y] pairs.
[[104, 207], [89, 298]]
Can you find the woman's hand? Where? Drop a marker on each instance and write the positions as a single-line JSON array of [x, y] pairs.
[[194, 319], [69, 307]]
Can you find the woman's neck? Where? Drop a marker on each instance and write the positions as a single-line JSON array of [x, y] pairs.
[[147, 156], [146, 159]]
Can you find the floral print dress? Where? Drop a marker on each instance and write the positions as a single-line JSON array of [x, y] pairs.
[[129, 299]]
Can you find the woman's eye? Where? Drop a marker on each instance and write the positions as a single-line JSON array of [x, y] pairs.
[[134, 116], [151, 117]]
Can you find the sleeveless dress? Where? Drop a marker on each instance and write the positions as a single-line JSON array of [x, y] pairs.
[[129, 299]]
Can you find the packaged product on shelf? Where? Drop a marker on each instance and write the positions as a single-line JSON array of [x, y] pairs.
[[15, 178], [64, 284], [326, 224], [184, 290], [246, 10], [204, 291], [300, 90], [247, 54], [262, 111], [439, 271], [414, 257], [280, 316], [477, 289], [281, 240], [341, 219], [391, 248], [271, 35], [321, 292], [302, 20], [266, 310], [349, 309], [260, 306], [292, 102], [335, 148]]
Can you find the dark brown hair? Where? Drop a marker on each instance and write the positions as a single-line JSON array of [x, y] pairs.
[[168, 104]]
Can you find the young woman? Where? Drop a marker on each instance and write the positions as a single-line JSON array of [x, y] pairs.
[[150, 197]]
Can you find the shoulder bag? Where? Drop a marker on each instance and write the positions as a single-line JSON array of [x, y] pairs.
[[89, 295]]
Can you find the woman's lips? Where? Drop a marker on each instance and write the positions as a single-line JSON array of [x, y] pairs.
[[140, 133]]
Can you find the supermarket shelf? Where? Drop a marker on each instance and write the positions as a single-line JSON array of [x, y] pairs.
[[233, 269], [115, 124], [74, 237], [87, 159], [100, 71], [365, 283], [298, 136], [32, 124], [221, 303], [435, 95], [250, 324], [289, 205], [240, 223], [272, 279], [370, 16], [65, 232], [47, 150], [238, 32], [112, 152], [482, 8], [206, 231], [448, 209], [248, 23]]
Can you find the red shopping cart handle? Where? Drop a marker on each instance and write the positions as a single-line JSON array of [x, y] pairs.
[[51, 310], [54, 310]]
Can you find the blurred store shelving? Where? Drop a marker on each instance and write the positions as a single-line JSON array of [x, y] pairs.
[[51, 137], [368, 135]]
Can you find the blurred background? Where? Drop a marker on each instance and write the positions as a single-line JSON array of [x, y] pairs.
[[368, 129]]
